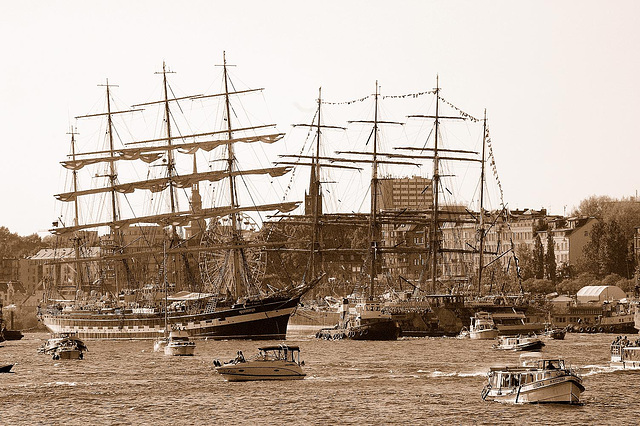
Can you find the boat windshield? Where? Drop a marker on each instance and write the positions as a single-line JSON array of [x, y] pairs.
[[551, 364], [281, 352]]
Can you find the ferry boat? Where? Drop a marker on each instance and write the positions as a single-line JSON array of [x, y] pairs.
[[625, 354], [482, 327], [511, 322], [281, 362], [178, 344], [519, 343], [548, 381]]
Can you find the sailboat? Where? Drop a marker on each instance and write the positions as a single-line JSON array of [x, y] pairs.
[[224, 298]]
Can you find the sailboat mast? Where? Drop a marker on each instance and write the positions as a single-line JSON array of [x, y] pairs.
[[436, 190], [482, 230], [232, 183], [374, 199]]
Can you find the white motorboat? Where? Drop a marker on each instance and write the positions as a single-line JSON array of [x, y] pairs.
[[280, 362], [482, 327], [160, 344], [625, 354], [547, 381], [64, 346], [179, 344], [519, 343]]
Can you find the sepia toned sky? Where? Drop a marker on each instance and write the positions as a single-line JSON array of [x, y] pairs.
[[560, 79]]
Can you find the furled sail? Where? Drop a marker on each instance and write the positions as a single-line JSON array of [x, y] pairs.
[[182, 218], [157, 185], [150, 154]]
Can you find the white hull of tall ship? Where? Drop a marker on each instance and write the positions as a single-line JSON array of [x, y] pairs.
[[267, 319], [547, 382]]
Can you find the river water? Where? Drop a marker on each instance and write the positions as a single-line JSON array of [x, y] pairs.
[[410, 381]]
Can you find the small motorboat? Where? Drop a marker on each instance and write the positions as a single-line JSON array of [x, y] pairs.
[[555, 333], [519, 343], [160, 344], [482, 327], [625, 354], [547, 381], [464, 334], [6, 368], [280, 362], [64, 346], [178, 344]]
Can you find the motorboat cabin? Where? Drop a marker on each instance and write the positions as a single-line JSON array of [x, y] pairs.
[[482, 327]]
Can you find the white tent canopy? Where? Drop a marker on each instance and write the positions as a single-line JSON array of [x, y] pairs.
[[600, 293]]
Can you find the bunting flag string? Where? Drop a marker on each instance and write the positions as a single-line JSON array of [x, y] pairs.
[[410, 95], [461, 112], [492, 162], [304, 147], [347, 102]]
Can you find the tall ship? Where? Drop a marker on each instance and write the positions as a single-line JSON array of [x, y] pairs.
[[191, 262]]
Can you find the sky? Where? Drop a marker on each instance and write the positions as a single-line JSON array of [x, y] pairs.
[[559, 79]]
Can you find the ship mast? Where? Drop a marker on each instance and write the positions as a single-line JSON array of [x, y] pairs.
[[314, 190], [435, 242], [76, 238], [116, 234], [482, 230], [373, 226], [236, 252], [170, 157]]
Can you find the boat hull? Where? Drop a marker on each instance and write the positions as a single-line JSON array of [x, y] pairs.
[[379, 330], [516, 344], [6, 368], [483, 334], [68, 354], [558, 390], [11, 335], [261, 370], [266, 320], [179, 350]]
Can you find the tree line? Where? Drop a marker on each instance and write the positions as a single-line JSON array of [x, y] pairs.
[[608, 258], [13, 246]]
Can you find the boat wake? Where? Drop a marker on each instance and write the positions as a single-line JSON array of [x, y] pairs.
[[592, 370], [437, 373]]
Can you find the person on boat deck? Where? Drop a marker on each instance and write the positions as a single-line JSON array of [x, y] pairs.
[[239, 357]]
